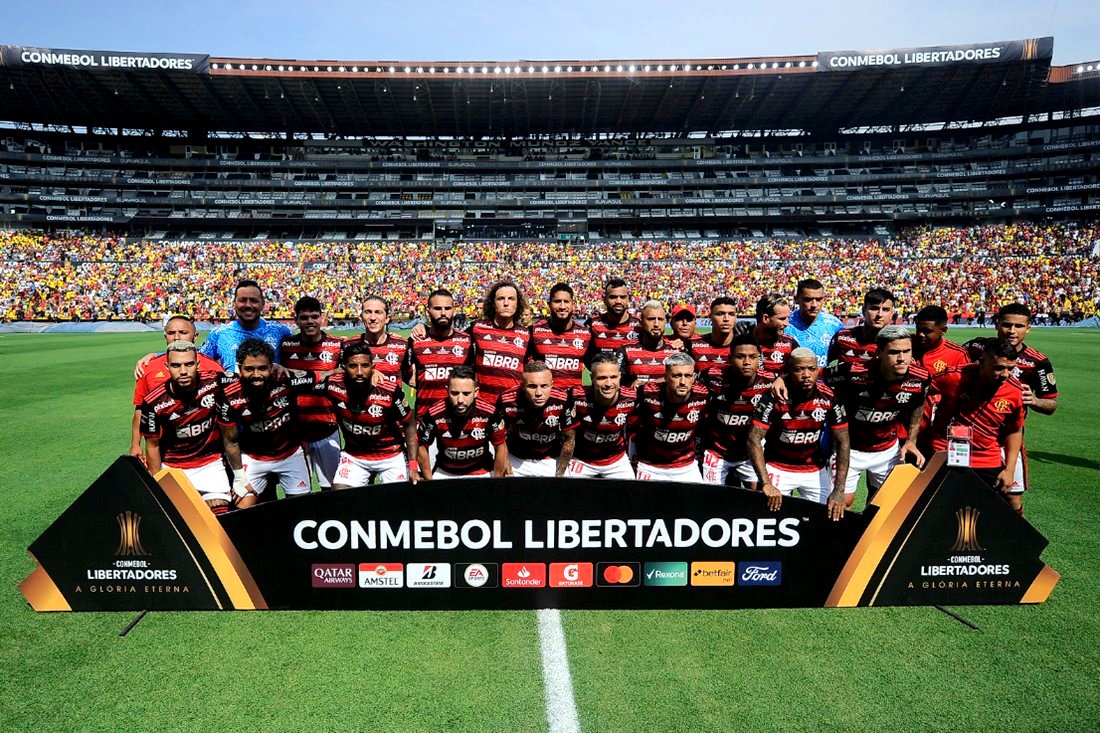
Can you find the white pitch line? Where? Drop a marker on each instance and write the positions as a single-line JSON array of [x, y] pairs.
[[561, 708]]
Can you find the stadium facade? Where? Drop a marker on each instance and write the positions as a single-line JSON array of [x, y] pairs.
[[196, 146]]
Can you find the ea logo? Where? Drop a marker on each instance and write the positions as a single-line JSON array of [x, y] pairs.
[[819, 414], [375, 410]]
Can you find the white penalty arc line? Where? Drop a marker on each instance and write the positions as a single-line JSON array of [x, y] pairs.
[[561, 708]]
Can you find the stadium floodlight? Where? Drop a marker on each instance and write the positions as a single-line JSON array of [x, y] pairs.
[[484, 69], [631, 68], [775, 65], [470, 70], [255, 67], [660, 67], [355, 69], [1090, 67], [497, 70], [788, 65], [619, 67], [419, 69], [710, 68], [431, 69], [545, 69], [814, 64], [607, 68], [646, 67], [751, 66], [407, 70], [557, 69], [687, 67], [737, 67], [392, 69], [530, 69], [459, 70], [801, 64], [569, 68], [672, 68], [329, 68], [446, 70], [584, 69]]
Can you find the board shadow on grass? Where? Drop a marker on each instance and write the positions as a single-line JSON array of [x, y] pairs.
[[1066, 460]]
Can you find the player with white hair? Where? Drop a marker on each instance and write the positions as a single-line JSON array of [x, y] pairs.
[[669, 415]]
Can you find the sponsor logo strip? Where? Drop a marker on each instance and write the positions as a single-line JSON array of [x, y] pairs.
[[712, 573]]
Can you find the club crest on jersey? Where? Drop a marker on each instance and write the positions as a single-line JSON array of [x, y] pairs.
[[1016, 372], [517, 342], [693, 416], [939, 366], [578, 343], [903, 397], [392, 358], [207, 400], [326, 356], [281, 402], [375, 410], [620, 419], [552, 421], [756, 399], [1001, 405], [478, 434], [819, 414], [777, 356], [632, 336]]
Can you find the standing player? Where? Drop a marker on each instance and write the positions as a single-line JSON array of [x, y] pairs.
[[792, 458], [374, 418], [1033, 370], [560, 341], [469, 431], [772, 314], [614, 328], [934, 352], [442, 348], [644, 360], [312, 350], [178, 423], [176, 328], [810, 325], [258, 413], [605, 418], [669, 415], [884, 400], [682, 322], [983, 405], [711, 352], [535, 417], [854, 345], [733, 398], [500, 342], [389, 350]]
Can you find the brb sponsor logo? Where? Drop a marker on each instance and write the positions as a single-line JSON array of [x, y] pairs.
[[381, 575], [666, 573], [712, 573], [477, 575], [428, 575], [333, 576], [570, 575], [760, 573], [523, 575], [618, 574]]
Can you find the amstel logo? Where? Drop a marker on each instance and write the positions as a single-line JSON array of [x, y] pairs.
[[129, 535], [966, 532]]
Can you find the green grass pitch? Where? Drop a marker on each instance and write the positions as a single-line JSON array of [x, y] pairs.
[[64, 416]]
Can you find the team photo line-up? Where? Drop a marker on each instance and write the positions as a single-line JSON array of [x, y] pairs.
[[794, 403]]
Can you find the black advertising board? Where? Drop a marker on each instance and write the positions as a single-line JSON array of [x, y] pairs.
[[932, 537], [29, 56], [998, 52]]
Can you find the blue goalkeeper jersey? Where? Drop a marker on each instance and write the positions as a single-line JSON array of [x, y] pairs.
[[817, 335], [224, 340]]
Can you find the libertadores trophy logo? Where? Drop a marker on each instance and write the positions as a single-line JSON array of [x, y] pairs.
[[966, 536], [129, 535]]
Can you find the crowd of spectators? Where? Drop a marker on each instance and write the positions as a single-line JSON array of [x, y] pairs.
[[1052, 267]]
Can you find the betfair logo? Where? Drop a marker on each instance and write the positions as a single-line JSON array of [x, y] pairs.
[[129, 535], [966, 533]]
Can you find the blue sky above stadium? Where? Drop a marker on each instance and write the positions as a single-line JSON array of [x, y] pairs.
[[431, 30]]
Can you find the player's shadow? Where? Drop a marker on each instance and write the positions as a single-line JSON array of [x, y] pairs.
[[1078, 461]]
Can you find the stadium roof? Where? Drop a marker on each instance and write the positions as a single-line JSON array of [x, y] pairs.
[[824, 92]]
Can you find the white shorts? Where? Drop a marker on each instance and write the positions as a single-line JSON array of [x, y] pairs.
[[357, 472], [437, 474], [324, 455], [619, 468], [877, 464], [716, 469], [292, 473], [812, 485], [688, 474], [533, 466], [1019, 478], [211, 480]]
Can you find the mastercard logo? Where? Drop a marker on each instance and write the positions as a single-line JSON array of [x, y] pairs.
[[618, 574]]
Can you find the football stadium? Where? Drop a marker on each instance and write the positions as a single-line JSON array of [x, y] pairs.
[[139, 187]]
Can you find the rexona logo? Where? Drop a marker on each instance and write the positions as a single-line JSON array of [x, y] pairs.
[[760, 573], [381, 575], [666, 573], [712, 573], [428, 575], [523, 575], [477, 575], [333, 576], [570, 575], [618, 574]]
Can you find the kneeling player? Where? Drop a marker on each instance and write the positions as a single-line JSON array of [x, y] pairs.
[[177, 422], [734, 394], [669, 413], [604, 416], [793, 459], [375, 420], [258, 413], [881, 397], [535, 415], [465, 427]]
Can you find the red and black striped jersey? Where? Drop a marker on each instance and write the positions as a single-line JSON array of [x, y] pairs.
[[710, 359], [267, 420], [602, 432], [666, 430], [535, 433], [156, 374], [185, 427], [729, 416], [991, 414], [563, 352], [498, 357], [641, 365], [608, 338], [774, 357], [851, 346], [878, 411], [793, 440], [315, 418], [373, 423], [463, 442], [390, 357], [431, 359], [1033, 368]]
